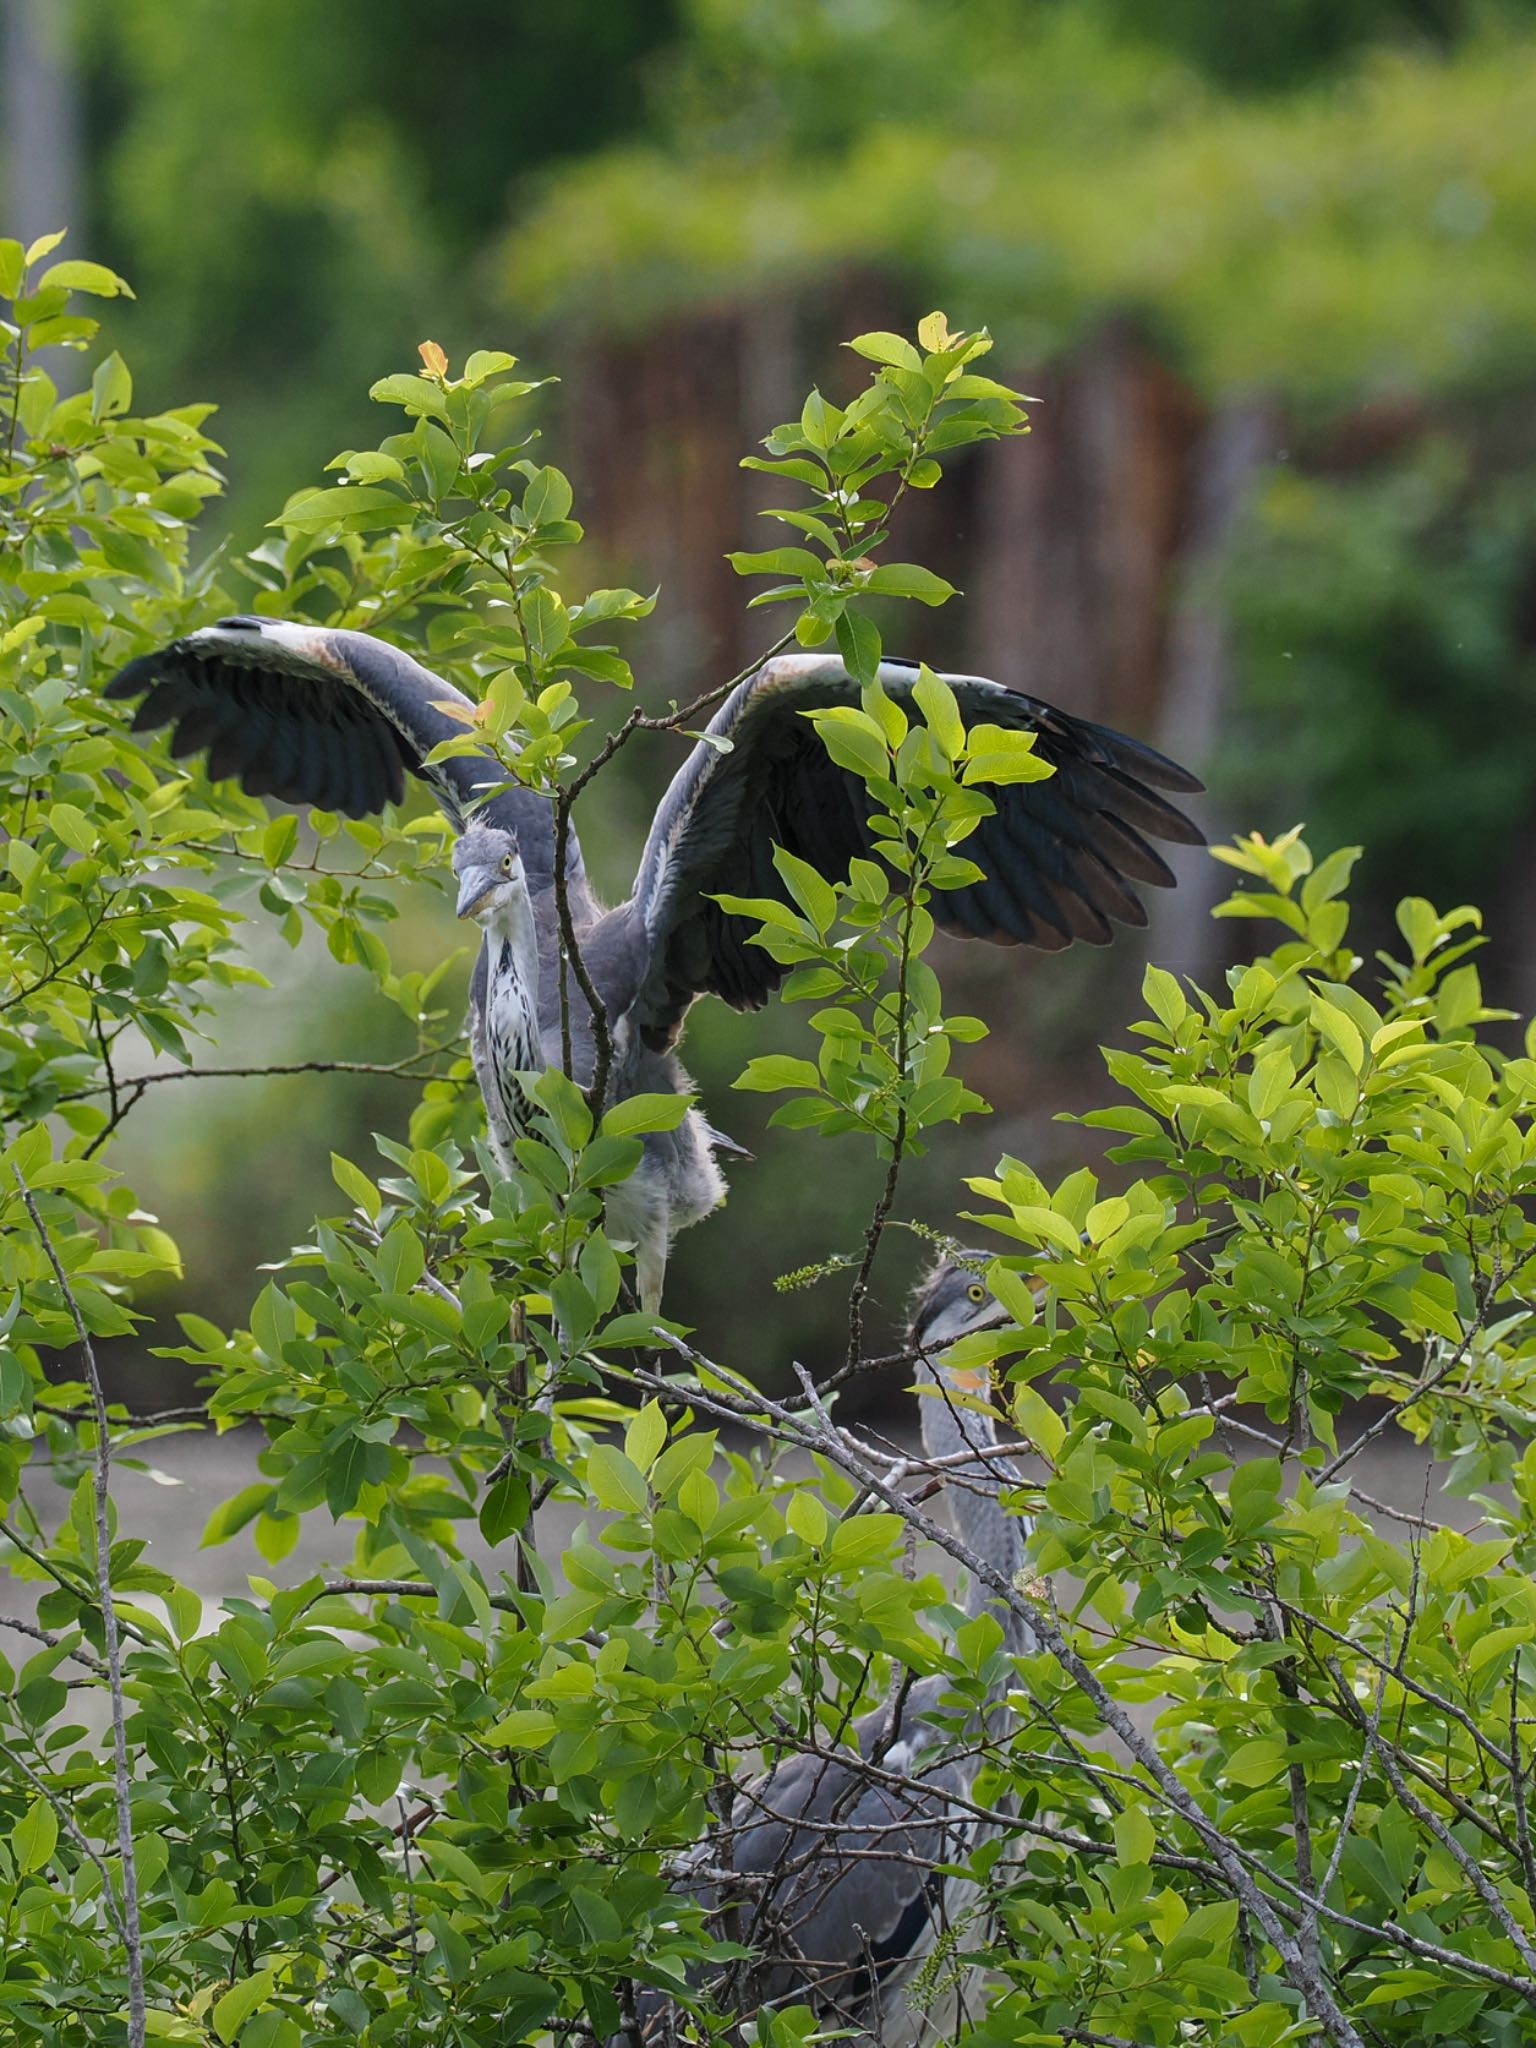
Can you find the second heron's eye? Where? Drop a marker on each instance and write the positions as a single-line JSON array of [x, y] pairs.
[[976, 1292]]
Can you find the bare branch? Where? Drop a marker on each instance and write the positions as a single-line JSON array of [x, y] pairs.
[[129, 1913]]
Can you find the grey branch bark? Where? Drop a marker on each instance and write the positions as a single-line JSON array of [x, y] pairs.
[[128, 1913]]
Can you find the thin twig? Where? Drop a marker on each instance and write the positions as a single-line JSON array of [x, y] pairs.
[[1372, 1737], [132, 1942], [389, 1069], [1471, 1868], [66, 1819], [78, 1651], [406, 1589], [1517, 1771]]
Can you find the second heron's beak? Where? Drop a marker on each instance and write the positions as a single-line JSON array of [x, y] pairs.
[[475, 884]]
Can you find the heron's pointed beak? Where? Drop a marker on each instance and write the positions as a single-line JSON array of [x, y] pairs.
[[475, 884]]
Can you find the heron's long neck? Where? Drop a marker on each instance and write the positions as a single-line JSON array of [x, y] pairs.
[[512, 943], [980, 1520]]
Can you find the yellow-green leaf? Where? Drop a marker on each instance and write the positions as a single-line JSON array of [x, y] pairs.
[[240, 2001], [806, 1517], [35, 1836], [1135, 1836]]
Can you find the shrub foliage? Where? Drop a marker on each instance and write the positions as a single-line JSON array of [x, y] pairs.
[[1266, 1776]]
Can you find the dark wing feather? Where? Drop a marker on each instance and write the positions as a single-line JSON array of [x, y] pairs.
[[847, 1892], [334, 719], [1059, 857], [844, 1894]]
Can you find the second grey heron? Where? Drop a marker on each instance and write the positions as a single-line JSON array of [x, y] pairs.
[[333, 718], [843, 1859]]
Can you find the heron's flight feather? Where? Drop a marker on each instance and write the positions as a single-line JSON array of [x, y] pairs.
[[318, 715], [1058, 856]]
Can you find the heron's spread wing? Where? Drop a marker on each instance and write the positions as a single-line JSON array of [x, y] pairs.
[[1059, 856], [330, 718]]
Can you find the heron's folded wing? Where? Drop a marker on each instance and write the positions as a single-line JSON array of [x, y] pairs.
[[1059, 857], [844, 1889], [312, 715]]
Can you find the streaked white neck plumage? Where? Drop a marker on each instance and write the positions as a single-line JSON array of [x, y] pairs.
[[511, 1023], [950, 1425]]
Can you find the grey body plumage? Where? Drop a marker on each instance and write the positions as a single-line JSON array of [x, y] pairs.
[[515, 1026], [336, 719], [837, 1893]]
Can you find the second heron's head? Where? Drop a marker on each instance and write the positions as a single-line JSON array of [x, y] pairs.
[[953, 1302], [490, 872]]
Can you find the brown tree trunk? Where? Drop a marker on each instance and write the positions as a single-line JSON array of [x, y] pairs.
[[1198, 675]]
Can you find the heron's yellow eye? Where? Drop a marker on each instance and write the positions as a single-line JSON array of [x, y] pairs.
[[976, 1292], [506, 864]]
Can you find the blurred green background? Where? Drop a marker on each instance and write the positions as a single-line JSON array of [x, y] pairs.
[[1267, 267]]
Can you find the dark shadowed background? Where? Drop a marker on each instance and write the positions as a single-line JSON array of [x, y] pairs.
[[1266, 269]]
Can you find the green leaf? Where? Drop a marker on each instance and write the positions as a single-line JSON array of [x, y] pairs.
[[1135, 1836], [645, 1437], [909, 579], [639, 1113], [354, 1183], [1013, 1291], [318, 509], [1163, 996], [1001, 754], [566, 1105], [854, 741], [1495, 1642], [111, 389], [418, 395], [1340, 1032], [941, 713], [769, 1072], [35, 1836], [160, 2025], [504, 1509], [1038, 1421], [248, 1995], [279, 839], [232, 1515], [858, 641], [486, 362], [883, 347], [348, 1469], [810, 890], [525, 1728], [75, 276], [547, 497], [806, 1517], [72, 826], [779, 562], [615, 1480], [819, 421]]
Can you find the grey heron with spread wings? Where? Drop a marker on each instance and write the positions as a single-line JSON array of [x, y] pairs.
[[837, 1871], [336, 719]]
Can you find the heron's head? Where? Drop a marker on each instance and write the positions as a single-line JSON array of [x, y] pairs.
[[490, 871], [952, 1302]]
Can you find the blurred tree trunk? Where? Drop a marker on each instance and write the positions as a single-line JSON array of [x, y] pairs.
[[1077, 526], [1197, 675], [43, 176], [40, 137]]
